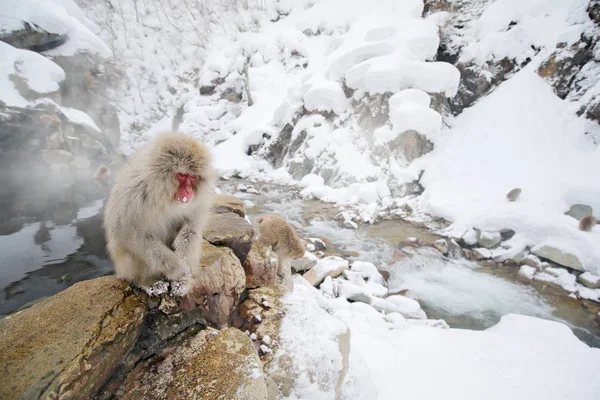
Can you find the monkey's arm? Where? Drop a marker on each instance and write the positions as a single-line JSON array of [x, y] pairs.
[[186, 241], [160, 258]]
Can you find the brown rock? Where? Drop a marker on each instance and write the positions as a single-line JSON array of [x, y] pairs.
[[231, 230], [260, 266], [219, 286], [226, 203], [262, 312], [211, 365], [414, 145], [68, 346]]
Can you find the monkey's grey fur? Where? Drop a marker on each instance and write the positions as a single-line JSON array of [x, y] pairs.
[[150, 235]]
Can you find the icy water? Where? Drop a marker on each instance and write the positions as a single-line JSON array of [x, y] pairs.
[[48, 243]]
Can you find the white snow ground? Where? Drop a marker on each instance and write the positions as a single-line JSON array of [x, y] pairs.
[[518, 358]]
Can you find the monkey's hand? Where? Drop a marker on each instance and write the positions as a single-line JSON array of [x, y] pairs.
[[177, 269], [187, 239]]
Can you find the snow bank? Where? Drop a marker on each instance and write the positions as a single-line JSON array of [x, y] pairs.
[[539, 24], [61, 17], [521, 135], [392, 359], [39, 74]]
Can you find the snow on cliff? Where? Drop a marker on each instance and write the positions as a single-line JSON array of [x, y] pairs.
[[316, 74]]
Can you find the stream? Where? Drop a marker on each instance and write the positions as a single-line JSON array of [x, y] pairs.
[[58, 241]]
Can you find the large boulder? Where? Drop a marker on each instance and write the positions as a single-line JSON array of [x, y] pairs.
[[211, 365], [558, 256], [216, 294], [231, 230], [227, 203], [68, 346]]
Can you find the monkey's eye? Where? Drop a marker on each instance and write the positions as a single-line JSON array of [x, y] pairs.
[[193, 178]]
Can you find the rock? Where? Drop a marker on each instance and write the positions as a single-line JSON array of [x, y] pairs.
[[260, 266], [413, 145], [580, 211], [489, 239], [368, 272], [231, 230], [311, 247], [305, 263], [411, 294], [260, 319], [590, 280], [32, 37], [211, 365], [454, 249], [329, 266], [513, 195], [218, 288], [350, 224], [384, 274], [226, 203], [318, 243], [532, 261], [404, 306], [471, 237], [441, 245], [507, 234], [69, 345], [482, 253], [527, 271], [558, 256]]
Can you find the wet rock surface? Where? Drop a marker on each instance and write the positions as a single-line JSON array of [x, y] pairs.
[[68, 345], [211, 365], [231, 230]]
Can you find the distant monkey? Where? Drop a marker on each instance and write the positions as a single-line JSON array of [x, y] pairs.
[[587, 223], [514, 194], [283, 239], [156, 213], [102, 176]]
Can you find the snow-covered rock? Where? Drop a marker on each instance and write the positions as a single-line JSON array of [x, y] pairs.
[[489, 239], [589, 280], [368, 271], [558, 256], [329, 266]]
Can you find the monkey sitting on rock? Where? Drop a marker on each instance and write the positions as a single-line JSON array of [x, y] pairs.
[[284, 241], [156, 213]]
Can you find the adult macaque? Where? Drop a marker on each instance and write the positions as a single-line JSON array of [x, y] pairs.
[[156, 213]]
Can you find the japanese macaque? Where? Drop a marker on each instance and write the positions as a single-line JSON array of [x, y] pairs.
[[513, 195], [284, 241], [102, 176], [156, 213], [587, 223]]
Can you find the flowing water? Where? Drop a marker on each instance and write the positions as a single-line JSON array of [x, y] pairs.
[[45, 252]]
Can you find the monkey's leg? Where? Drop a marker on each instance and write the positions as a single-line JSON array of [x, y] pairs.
[[160, 260]]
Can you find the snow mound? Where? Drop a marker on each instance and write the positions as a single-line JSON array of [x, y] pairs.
[[39, 74], [508, 360], [62, 17], [521, 135]]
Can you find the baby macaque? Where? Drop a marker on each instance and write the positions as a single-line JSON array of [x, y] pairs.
[[513, 195], [156, 213], [284, 241], [587, 223], [102, 176]]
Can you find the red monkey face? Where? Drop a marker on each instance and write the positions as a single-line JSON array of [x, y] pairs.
[[185, 191]]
